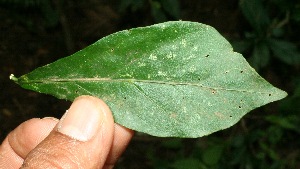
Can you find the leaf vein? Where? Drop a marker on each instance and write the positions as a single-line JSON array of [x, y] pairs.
[[108, 80], [148, 97]]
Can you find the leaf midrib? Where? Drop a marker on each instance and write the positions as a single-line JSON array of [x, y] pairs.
[[133, 81]]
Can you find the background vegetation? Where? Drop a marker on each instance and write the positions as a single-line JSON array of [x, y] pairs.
[[36, 32]]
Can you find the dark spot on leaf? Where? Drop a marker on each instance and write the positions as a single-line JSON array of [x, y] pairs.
[[199, 79], [125, 98], [270, 94], [112, 49], [206, 55], [76, 91], [241, 71], [226, 72], [230, 116], [213, 92], [240, 107]]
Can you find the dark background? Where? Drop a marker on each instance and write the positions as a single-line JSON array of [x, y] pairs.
[[37, 32]]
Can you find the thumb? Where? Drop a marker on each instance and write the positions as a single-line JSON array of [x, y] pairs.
[[81, 139]]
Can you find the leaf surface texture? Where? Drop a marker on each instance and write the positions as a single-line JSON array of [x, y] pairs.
[[174, 79]]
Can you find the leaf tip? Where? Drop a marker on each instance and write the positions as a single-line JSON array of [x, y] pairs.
[[281, 94], [284, 94]]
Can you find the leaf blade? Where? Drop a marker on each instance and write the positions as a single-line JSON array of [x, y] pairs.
[[178, 79]]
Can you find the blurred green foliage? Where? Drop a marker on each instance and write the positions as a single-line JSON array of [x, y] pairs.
[[268, 37]]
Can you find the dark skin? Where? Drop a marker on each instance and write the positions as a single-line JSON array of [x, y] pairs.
[[52, 143]]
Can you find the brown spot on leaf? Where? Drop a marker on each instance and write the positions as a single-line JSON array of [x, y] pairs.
[[173, 115], [219, 115]]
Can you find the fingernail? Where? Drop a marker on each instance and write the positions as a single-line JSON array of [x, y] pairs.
[[81, 121]]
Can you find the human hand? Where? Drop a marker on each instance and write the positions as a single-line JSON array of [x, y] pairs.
[[85, 137]]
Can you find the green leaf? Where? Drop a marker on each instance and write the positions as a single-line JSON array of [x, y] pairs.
[[256, 14], [212, 155], [174, 79], [261, 55], [285, 51], [174, 143], [287, 122]]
